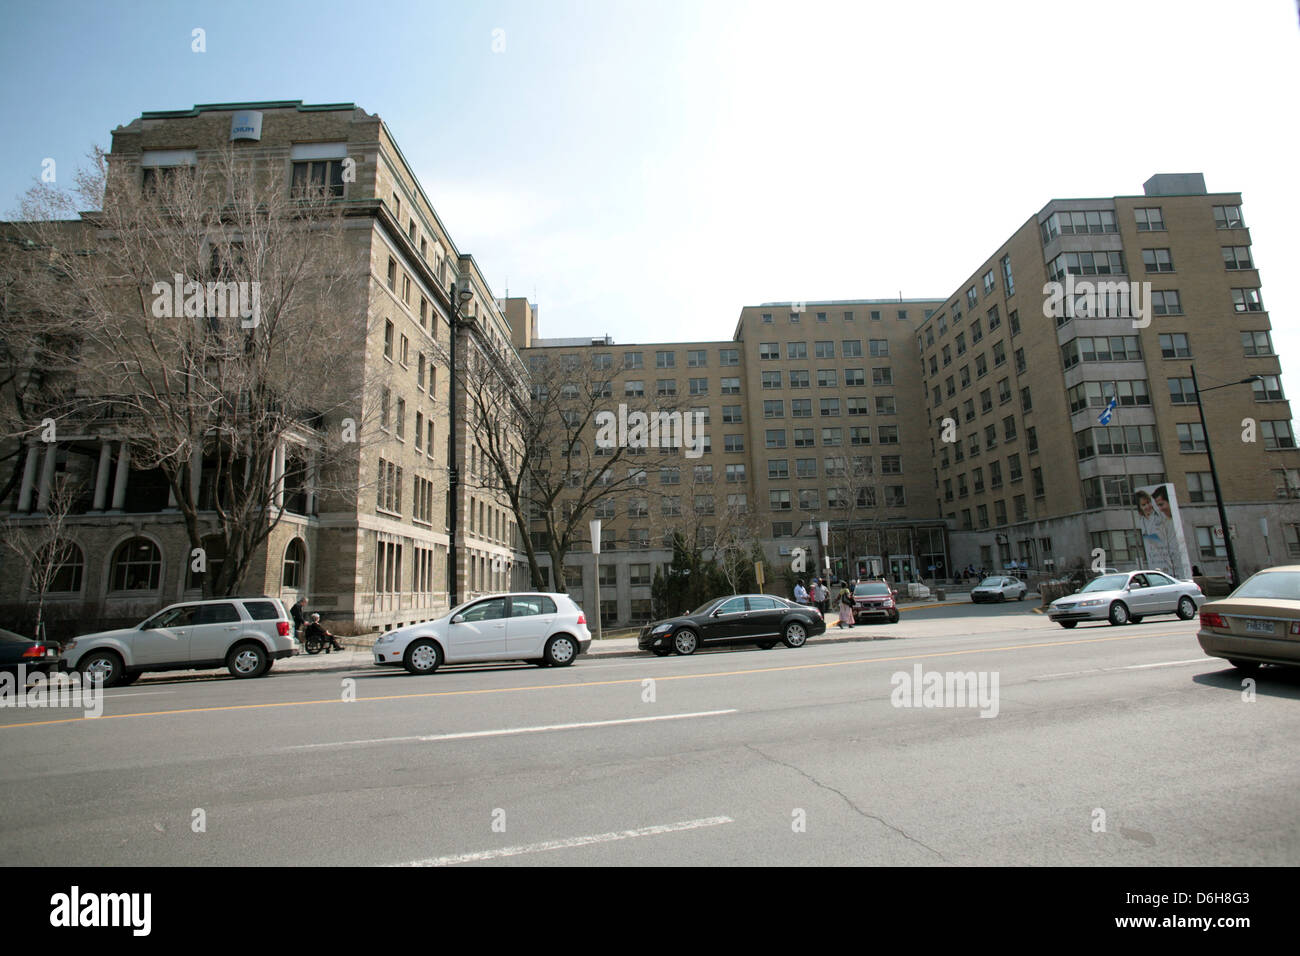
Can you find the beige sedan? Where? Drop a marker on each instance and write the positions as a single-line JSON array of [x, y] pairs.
[[1259, 623]]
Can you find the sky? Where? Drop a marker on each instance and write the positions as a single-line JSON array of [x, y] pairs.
[[645, 170]]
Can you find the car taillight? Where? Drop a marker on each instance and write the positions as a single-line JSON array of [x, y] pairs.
[[282, 627], [36, 650], [582, 618], [1211, 619]]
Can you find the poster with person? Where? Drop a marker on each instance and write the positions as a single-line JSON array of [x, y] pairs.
[[1162, 530]]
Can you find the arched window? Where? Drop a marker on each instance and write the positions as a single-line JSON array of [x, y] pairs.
[[295, 565], [137, 566], [62, 565]]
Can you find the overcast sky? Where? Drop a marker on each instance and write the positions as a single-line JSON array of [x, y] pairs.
[[645, 170]]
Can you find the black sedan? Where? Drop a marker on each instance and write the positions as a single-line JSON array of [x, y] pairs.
[[16, 651], [740, 619]]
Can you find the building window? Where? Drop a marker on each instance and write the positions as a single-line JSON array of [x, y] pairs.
[[1247, 300], [1150, 219], [1175, 345], [136, 566], [1157, 260], [1227, 217], [1236, 258], [295, 565], [321, 177]]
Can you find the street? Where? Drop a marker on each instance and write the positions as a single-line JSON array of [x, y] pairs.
[[1107, 745]]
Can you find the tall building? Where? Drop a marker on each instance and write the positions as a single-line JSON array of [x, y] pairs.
[[814, 410], [377, 557]]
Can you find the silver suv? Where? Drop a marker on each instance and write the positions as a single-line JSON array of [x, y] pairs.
[[245, 635]]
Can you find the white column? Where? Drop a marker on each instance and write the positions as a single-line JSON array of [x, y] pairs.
[[29, 478], [47, 476], [101, 474], [313, 477], [119, 480], [196, 472], [277, 475]]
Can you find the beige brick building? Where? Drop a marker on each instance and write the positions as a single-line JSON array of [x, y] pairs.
[[377, 557]]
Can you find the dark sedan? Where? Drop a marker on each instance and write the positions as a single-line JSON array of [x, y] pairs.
[[16, 651], [740, 619]]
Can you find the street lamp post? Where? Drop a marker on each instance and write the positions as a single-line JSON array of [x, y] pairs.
[[460, 294], [1214, 473], [594, 526]]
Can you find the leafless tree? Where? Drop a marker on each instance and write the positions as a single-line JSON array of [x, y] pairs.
[[540, 439], [214, 316], [42, 545]]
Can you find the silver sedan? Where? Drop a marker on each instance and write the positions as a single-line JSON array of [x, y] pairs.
[[1127, 597]]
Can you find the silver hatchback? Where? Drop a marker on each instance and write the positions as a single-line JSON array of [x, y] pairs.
[[1126, 597]]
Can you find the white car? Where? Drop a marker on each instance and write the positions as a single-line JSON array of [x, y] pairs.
[[244, 635], [544, 629], [998, 588], [1126, 597]]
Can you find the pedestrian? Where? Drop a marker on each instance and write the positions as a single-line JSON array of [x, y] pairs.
[[822, 597], [296, 612], [846, 607], [800, 593]]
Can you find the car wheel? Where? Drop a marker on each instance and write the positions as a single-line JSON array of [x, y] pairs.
[[1135, 619], [1022, 596], [795, 635], [422, 657], [1118, 613], [104, 666], [893, 618], [766, 645], [1002, 597], [685, 641], [247, 660], [561, 650], [1248, 667], [1067, 624], [1186, 608]]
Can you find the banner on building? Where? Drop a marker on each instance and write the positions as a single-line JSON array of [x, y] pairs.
[[1162, 530]]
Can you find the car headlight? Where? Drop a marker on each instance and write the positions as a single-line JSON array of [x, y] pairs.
[[662, 629], [387, 638], [1092, 603]]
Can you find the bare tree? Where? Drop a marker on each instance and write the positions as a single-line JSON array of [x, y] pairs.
[[43, 545], [545, 451], [214, 316]]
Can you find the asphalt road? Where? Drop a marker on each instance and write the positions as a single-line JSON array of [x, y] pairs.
[[1109, 746]]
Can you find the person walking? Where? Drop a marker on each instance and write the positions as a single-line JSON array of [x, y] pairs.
[[822, 596], [296, 612], [800, 593], [846, 607]]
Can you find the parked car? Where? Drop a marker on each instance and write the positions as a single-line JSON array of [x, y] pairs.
[[874, 601], [544, 629], [16, 651], [1127, 597], [998, 588], [244, 635], [1258, 623], [760, 619]]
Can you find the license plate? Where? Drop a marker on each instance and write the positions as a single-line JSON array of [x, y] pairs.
[[1259, 627]]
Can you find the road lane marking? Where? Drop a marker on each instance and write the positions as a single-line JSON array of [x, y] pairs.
[[597, 683], [1126, 667], [432, 738], [571, 842], [1194, 660]]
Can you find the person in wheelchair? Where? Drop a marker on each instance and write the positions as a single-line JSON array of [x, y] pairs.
[[315, 634]]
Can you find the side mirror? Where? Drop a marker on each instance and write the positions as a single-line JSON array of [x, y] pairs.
[[458, 619]]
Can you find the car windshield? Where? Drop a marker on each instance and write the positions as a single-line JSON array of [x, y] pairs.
[[870, 588], [1107, 582], [704, 607], [1278, 585], [9, 637], [991, 583]]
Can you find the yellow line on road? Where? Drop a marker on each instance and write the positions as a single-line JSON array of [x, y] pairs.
[[594, 683]]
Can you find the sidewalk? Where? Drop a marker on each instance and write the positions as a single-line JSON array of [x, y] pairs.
[[358, 655]]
